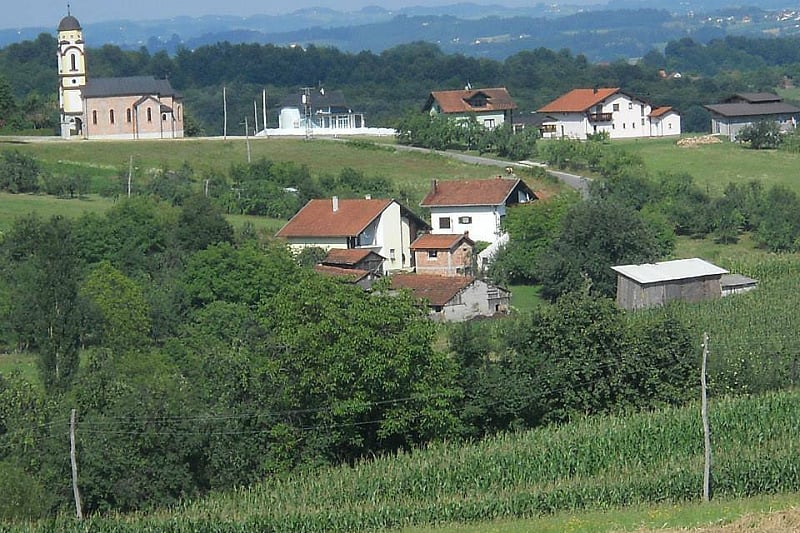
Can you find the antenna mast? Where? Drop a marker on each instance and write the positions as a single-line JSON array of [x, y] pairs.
[[307, 110]]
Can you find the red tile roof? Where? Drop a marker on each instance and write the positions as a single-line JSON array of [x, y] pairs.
[[440, 241], [352, 274], [438, 290], [352, 256], [318, 219], [497, 99], [471, 192], [578, 100], [660, 111]]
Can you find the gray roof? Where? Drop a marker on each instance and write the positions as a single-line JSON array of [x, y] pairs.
[[753, 110], [69, 23], [669, 270], [729, 281], [754, 98], [131, 86]]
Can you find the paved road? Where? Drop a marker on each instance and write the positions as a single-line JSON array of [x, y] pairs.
[[579, 183]]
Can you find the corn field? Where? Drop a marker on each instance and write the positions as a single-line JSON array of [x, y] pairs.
[[597, 462]]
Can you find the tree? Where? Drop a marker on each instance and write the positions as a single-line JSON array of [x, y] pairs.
[[764, 134], [19, 172], [201, 224], [123, 311], [595, 236], [45, 274]]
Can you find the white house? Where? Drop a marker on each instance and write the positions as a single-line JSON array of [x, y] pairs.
[[583, 112], [382, 226], [474, 207], [491, 107]]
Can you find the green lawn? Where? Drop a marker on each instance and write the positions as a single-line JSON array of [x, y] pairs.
[[24, 363], [713, 166], [13, 206]]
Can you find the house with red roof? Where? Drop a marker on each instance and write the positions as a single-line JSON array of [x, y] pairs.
[[476, 207], [444, 254], [583, 112], [491, 107], [454, 298], [377, 225]]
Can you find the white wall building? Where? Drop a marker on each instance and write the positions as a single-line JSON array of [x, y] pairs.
[[583, 112]]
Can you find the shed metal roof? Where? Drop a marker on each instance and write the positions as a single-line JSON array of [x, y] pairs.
[[669, 270], [752, 110]]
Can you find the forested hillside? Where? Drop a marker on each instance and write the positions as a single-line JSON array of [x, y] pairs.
[[390, 84]]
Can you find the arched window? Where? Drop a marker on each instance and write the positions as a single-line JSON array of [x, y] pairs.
[[111, 116], [128, 115], [94, 117], [149, 115], [179, 112], [73, 58]]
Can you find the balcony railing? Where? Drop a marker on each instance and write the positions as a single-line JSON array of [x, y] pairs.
[[599, 117]]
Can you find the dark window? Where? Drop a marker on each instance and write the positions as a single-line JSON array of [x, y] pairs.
[[73, 61], [433, 254], [111, 116], [444, 223], [128, 115], [149, 115], [616, 107], [465, 220], [94, 117]]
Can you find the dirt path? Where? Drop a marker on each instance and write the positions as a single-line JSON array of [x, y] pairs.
[[787, 521]]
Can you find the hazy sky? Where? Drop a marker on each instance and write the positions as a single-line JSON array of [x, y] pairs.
[[27, 13]]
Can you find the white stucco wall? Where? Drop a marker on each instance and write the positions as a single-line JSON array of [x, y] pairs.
[[630, 118], [485, 225]]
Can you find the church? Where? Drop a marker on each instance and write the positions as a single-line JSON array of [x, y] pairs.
[[138, 107]]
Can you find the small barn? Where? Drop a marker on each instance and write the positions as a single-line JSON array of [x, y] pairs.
[[654, 284]]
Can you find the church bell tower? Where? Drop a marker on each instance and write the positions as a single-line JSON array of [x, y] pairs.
[[71, 75]]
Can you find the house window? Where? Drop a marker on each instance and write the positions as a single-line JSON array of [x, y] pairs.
[[465, 220], [392, 255], [623, 125], [615, 107], [164, 117], [433, 254], [488, 123], [641, 107], [149, 115], [128, 116], [630, 105], [111, 116], [444, 223], [642, 122], [94, 117]]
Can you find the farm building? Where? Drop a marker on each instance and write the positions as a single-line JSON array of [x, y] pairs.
[[652, 285]]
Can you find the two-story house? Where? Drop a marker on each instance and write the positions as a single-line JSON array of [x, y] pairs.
[[381, 226], [491, 107], [583, 112], [476, 207], [444, 254]]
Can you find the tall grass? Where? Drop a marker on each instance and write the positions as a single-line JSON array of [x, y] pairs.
[[600, 462]]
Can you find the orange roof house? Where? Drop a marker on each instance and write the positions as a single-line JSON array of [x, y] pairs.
[[583, 112], [492, 107], [381, 226], [474, 206]]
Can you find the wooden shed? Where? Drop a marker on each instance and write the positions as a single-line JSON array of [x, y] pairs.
[[655, 284]]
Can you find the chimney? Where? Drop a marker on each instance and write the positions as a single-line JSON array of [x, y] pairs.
[[434, 185], [335, 200], [594, 89]]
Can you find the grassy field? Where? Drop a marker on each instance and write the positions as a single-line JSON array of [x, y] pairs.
[[713, 166], [629, 463]]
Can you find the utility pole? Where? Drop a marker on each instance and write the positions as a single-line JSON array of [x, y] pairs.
[[130, 175], [247, 138], [706, 426], [73, 460], [224, 113], [264, 107], [307, 110], [255, 117]]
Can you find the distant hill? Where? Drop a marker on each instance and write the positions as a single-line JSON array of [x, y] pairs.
[[601, 32]]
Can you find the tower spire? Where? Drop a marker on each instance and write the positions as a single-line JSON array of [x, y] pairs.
[[69, 13]]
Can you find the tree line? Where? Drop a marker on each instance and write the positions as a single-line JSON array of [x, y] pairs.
[[388, 85]]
